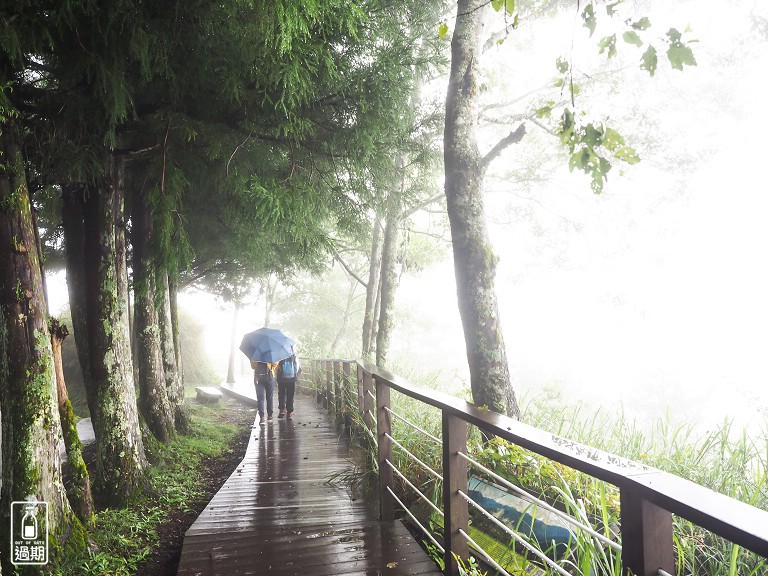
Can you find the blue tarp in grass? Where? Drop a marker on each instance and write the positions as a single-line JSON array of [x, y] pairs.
[[522, 516]]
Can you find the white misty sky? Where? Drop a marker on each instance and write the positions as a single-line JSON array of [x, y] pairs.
[[651, 295]]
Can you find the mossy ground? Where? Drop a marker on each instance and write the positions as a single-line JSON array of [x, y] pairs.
[[146, 538]]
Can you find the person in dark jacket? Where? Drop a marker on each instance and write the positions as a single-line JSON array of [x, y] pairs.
[[264, 381], [288, 371]]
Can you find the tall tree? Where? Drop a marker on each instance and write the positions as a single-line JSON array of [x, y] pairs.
[[474, 260], [370, 318], [98, 293], [79, 485], [154, 403], [591, 146], [31, 429]]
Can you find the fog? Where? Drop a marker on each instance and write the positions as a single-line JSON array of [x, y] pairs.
[[649, 298]]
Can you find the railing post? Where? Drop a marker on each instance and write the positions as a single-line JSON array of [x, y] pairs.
[[319, 381], [384, 428], [646, 536], [346, 380], [360, 390], [368, 406], [454, 480], [338, 398], [326, 381]]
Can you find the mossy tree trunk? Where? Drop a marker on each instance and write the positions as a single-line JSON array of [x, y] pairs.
[[154, 403], [474, 260], [79, 485], [94, 233], [31, 429], [371, 293], [174, 377], [389, 280]]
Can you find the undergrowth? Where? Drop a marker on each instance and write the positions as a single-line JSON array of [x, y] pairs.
[[122, 539], [721, 459]]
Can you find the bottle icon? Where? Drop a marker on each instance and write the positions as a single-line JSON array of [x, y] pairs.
[[29, 523]]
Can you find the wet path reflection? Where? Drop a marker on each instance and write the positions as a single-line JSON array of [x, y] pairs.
[[275, 513]]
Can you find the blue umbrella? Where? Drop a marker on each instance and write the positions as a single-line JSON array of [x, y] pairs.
[[266, 345]]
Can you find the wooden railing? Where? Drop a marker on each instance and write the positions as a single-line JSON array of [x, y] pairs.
[[649, 497]]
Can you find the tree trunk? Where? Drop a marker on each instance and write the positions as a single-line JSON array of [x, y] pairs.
[[474, 260], [232, 345], [389, 279], [371, 293], [31, 429], [93, 222], [154, 403], [79, 485], [174, 377]]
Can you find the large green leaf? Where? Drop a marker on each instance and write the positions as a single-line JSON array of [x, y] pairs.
[[679, 54], [631, 37], [608, 43], [590, 20], [643, 24], [650, 60]]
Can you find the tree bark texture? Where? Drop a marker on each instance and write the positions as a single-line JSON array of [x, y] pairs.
[[154, 404], [174, 377], [96, 275], [31, 429], [371, 292], [79, 485], [389, 279], [474, 259]]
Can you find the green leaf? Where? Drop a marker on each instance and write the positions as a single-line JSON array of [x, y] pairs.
[[612, 139], [610, 9], [500, 41], [649, 60], [544, 112], [442, 30], [497, 4], [605, 166], [562, 65], [590, 20], [631, 37], [579, 160], [509, 5], [608, 43], [642, 24], [566, 128], [593, 136], [680, 55], [627, 154], [674, 36]]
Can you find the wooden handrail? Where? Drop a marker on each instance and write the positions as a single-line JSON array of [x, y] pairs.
[[648, 496]]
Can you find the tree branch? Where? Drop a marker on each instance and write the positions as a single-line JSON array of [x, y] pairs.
[[349, 271], [512, 138], [405, 213]]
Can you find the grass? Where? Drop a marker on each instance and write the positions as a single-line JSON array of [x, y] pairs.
[[122, 539], [722, 459]]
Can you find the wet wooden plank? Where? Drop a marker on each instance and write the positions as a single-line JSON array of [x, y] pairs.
[[278, 513]]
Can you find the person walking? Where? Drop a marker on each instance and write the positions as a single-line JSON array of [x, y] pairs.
[[288, 371], [264, 380]]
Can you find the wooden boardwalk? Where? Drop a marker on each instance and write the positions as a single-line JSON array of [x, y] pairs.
[[277, 514]]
